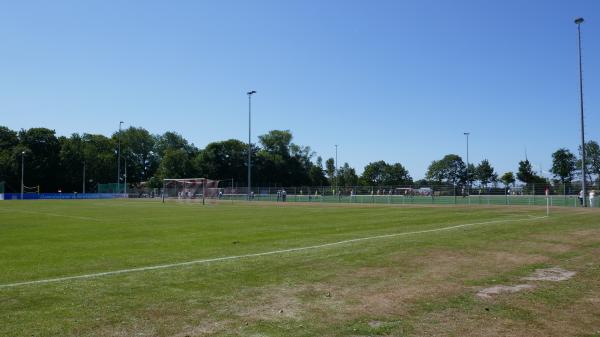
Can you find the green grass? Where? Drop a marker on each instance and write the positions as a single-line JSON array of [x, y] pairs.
[[403, 285]]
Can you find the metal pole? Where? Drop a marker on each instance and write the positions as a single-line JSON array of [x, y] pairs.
[[578, 21], [468, 181], [250, 93], [125, 187], [335, 171], [22, 172], [119, 160]]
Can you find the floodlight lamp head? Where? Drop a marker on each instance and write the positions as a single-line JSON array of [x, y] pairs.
[[579, 21], [251, 92], [466, 133]]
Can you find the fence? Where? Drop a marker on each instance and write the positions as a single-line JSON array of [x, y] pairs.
[[111, 188], [36, 196], [566, 195]]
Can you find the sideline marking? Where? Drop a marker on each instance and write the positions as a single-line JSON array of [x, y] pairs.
[[236, 257]]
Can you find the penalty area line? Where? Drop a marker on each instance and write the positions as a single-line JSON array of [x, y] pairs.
[[273, 252]]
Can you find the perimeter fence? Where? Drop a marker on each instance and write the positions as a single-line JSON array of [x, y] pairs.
[[566, 195]]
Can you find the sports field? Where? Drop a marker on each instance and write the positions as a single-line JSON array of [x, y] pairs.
[[142, 268]]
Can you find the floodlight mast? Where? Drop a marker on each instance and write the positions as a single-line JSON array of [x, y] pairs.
[[119, 160], [468, 181], [578, 22], [335, 171], [250, 93]]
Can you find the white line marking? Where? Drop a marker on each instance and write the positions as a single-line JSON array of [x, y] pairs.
[[235, 257]]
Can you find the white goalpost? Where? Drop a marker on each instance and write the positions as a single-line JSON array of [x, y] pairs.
[[189, 189]]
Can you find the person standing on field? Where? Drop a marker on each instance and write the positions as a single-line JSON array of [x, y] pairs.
[[580, 197]]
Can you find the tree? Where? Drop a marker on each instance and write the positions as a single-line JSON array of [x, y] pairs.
[[374, 174], [563, 165], [71, 162], [508, 178], [8, 154], [526, 175], [175, 163], [170, 140], [138, 148], [525, 172], [397, 175], [283, 162], [470, 174], [277, 142], [100, 160], [484, 172], [42, 158], [316, 173], [450, 170], [223, 160], [380, 173], [330, 170], [592, 160], [347, 176]]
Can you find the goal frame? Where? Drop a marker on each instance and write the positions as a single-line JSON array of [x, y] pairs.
[[184, 180]]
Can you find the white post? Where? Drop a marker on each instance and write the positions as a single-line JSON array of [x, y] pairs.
[[547, 202]]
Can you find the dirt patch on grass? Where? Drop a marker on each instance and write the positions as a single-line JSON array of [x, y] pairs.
[[269, 304], [570, 239], [392, 289], [206, 327], [500, 289], [451, 266], [550, 274]]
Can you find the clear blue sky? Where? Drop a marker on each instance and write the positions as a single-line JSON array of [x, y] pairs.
[[394, 80]]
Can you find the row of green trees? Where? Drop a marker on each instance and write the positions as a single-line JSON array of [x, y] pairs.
[[58, 163], [565, 168]]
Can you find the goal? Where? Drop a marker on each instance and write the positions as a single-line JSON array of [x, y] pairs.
[[190, 189]]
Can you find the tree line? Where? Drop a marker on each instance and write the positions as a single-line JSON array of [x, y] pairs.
[[58, 163]]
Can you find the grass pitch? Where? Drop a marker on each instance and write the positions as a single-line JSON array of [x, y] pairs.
[[423, 283]]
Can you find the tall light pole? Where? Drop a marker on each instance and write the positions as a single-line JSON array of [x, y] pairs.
[[250, 93], [336, 169], [468, 181], [22, 172], [125, 158], [119, 160], [578, 22]]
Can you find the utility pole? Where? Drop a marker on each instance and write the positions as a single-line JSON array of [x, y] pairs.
[[119, 160], [468, 180], [578, 22], [250, 93], [336, 169], [125, 174]]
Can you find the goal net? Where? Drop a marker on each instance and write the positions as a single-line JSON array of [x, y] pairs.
[[190, 188]]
